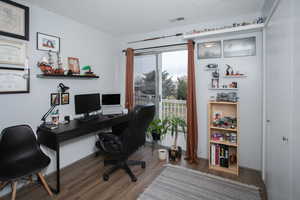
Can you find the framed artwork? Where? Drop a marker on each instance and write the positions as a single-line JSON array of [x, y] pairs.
[[14, 80], [12, 52], [240, 47], [14, 20], [209, 50], [48, 42], [74, 66], [65, 98], [54, 99]]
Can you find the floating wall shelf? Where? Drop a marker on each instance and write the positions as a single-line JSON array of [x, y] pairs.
[[223, 88], [237, 76], [57, 76], [240, 29]]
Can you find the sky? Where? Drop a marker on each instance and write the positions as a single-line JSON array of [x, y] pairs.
[[174, 62]]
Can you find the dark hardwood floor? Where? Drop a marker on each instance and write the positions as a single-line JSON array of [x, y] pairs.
[[83, 179]]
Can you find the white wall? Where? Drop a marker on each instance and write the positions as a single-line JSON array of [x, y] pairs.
[[92, 47], [251, 105]]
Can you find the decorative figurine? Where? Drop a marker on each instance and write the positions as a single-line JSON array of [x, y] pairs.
[[89, 72], [229, 70], [45, 67], [59, 69]]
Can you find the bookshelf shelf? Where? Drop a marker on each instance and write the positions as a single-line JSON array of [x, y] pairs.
[[225, 143], [223, 155], [223, 129]]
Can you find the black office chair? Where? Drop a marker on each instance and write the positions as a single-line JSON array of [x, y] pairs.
[[126, 139], [21, 157]]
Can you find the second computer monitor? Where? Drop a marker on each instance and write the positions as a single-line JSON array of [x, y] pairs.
[[111, 99]]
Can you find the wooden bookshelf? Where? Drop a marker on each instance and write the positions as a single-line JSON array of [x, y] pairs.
[[225, 109]]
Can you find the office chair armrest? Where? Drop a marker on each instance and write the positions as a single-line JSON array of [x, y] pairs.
[[109, 143]]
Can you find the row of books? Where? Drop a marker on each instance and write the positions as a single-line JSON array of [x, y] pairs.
[[219, 155]]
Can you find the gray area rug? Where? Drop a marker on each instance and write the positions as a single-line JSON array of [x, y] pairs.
[[179, 183]]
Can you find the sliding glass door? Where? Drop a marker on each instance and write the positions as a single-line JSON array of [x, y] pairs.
[[161, 78]]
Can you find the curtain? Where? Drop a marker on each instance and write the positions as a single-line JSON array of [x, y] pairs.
[[192, 128], [129, 79]]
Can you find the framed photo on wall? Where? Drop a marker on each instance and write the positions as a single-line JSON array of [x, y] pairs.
[[54, 99], [12, 52], [209, 50], [239, 47], [65, 98], [48, 42], [14, 20], [14, 80], [73, 64]]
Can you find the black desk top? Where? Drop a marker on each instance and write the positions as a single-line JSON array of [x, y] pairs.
[[76, 128]]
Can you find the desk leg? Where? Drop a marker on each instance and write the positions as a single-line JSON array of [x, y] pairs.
[[58, 170], [57, 189]]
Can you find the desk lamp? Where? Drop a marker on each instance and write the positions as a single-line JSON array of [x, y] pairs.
[[63, 89]]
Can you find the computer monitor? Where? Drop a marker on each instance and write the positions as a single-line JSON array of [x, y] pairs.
[[87, 103], [111, 99]]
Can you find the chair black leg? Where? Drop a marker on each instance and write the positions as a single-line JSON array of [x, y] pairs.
[[110, 171], [136, 162], [110, 162], [129, 172]]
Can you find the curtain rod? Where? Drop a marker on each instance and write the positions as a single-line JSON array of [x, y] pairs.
[[155, 47]]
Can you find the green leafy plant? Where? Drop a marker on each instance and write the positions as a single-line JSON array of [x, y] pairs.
[[176, 125], [158, 129]]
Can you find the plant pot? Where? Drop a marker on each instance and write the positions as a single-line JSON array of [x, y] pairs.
[[175, 153], [162, 154], [155, 136]]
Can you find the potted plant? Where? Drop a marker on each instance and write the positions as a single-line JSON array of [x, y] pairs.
[[158, 128], [177, 125]]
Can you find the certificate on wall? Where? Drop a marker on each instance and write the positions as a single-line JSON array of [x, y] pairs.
[[14, 80], [14, 20], [12, 52]]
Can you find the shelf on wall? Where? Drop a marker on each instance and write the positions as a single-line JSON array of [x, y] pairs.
[[240, 29], [223, 88], [59, 76], [237, 76]]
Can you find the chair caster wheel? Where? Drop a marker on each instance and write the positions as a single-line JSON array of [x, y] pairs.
[[134, 179], [105, 177], [143, 165]]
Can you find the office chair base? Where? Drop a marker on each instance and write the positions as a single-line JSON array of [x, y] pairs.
[[122, 165]]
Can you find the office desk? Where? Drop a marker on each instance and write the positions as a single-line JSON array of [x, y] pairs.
[[65, 132]]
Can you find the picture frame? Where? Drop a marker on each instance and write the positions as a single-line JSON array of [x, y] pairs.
[[12, 52], [65, 98], [14, 80], [47, 42], [14, 20], [54, 99], [209, 50], [73, 65], [241, 47]]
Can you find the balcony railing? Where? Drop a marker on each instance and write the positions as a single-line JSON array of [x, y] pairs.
[[173, 108], [170, 107]]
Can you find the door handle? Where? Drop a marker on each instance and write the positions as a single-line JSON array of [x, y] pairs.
[[285, 139]]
